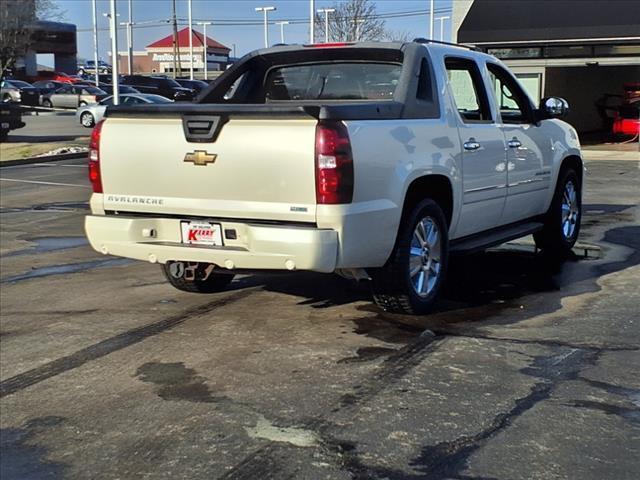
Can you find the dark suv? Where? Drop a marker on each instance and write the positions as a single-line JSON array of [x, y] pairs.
[[166, 87]]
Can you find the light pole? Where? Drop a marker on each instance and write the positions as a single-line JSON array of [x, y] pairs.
[[442, 19], [430, 19], [326, 12], [204, 47], [113, 28], [357, 22], [312, 21], [190, 42], [130, 38], [282, 24], [266, 11], [95, 42], [129, 44]]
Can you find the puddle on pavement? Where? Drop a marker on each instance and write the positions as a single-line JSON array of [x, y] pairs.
[[49, 207], [176, 382], [50, 244], [64, 269]]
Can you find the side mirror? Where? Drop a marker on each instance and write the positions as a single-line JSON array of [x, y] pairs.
[[553, 107]]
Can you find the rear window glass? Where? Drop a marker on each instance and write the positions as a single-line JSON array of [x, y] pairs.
[[333, 81]]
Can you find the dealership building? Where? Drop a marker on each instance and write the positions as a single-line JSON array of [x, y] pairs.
[[158, 57], [585, 51]]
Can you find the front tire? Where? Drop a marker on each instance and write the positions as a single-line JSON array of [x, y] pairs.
[[412, 278], [87, 120], [203, 281], [47, 103], [562, 221]]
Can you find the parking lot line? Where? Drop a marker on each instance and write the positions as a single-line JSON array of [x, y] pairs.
[[45, 183]]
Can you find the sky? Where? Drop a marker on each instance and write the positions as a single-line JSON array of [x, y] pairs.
[[244, 37]]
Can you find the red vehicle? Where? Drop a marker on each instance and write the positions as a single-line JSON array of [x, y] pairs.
[[627, 119], [56, 76]]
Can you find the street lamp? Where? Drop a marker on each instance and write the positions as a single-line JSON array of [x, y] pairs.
[[431, 20], [190, 42], [326, 12], [282, 24], [266, 11], [95, 42], [442, 19], [113, 28], [205, 48]]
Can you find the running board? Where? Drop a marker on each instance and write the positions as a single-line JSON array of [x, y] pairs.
[[491, 238]]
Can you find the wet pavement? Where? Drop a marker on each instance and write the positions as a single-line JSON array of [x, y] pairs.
[[527, 370]]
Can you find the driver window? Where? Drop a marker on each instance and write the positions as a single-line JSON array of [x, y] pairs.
[[511, 100]]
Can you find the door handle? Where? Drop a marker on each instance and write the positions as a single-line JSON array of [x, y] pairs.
[[471, 144], [514, 143]]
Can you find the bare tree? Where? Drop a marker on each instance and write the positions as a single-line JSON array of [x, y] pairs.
[[15, 32], [352, 21], [397, 36], [16, 26]]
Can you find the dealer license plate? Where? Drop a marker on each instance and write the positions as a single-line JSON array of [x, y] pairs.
[[201, 233]]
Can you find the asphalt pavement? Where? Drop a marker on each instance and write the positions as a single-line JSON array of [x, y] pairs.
[[49, 127], [528, 370]]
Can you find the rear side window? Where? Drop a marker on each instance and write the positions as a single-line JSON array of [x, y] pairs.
[[468, 90], [333, 81]]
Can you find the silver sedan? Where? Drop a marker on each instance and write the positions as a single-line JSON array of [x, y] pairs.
[[89, 115]]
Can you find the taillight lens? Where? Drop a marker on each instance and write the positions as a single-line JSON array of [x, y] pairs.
[[334, 164], [94, 158]]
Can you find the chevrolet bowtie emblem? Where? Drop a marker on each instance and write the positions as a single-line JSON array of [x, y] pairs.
[[200, 157]]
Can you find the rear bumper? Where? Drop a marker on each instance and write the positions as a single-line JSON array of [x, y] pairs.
[[257, 247]]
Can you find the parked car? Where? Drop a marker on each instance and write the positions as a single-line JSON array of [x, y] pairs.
[[10, 119], [167, 87], [374, 161], [627, 119], [89, 115], [90, 67], [48, 86], [55, 76], [196, 86], [121, 88], [19, 91], [72, 96]]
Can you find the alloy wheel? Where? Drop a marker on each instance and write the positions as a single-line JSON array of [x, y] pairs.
[[425, 257]]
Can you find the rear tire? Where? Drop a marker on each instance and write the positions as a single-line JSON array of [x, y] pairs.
[[412, 278], [562, 220], [215, 282]]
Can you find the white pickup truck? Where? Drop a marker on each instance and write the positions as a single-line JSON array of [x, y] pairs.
[[372, 160]]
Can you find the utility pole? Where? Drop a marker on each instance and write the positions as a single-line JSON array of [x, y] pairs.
[[442, 19], [95, 42], [326, 12], [282, 24], [113, 26], [265, 11], [357, 22], [205, 49], [174, 20], [130, 38], [430, 19], [190, 41], [312, 21]]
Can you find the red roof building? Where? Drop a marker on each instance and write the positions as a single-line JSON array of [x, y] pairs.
[[158, 57]]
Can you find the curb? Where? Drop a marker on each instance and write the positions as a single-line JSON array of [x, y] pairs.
[[48, 158]]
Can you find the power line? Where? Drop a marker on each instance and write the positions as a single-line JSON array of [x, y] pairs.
[[251, 23]]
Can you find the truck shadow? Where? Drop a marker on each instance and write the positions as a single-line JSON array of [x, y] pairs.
[[480, 286]]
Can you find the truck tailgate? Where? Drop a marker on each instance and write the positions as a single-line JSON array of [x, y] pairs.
[[256, 168]]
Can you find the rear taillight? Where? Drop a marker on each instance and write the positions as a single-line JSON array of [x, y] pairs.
[[334, 164], [94, 158]]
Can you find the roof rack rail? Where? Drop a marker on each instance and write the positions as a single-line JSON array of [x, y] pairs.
[[426, 40]]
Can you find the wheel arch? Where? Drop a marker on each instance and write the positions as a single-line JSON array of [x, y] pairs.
[[436, 186], [575, 162]]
